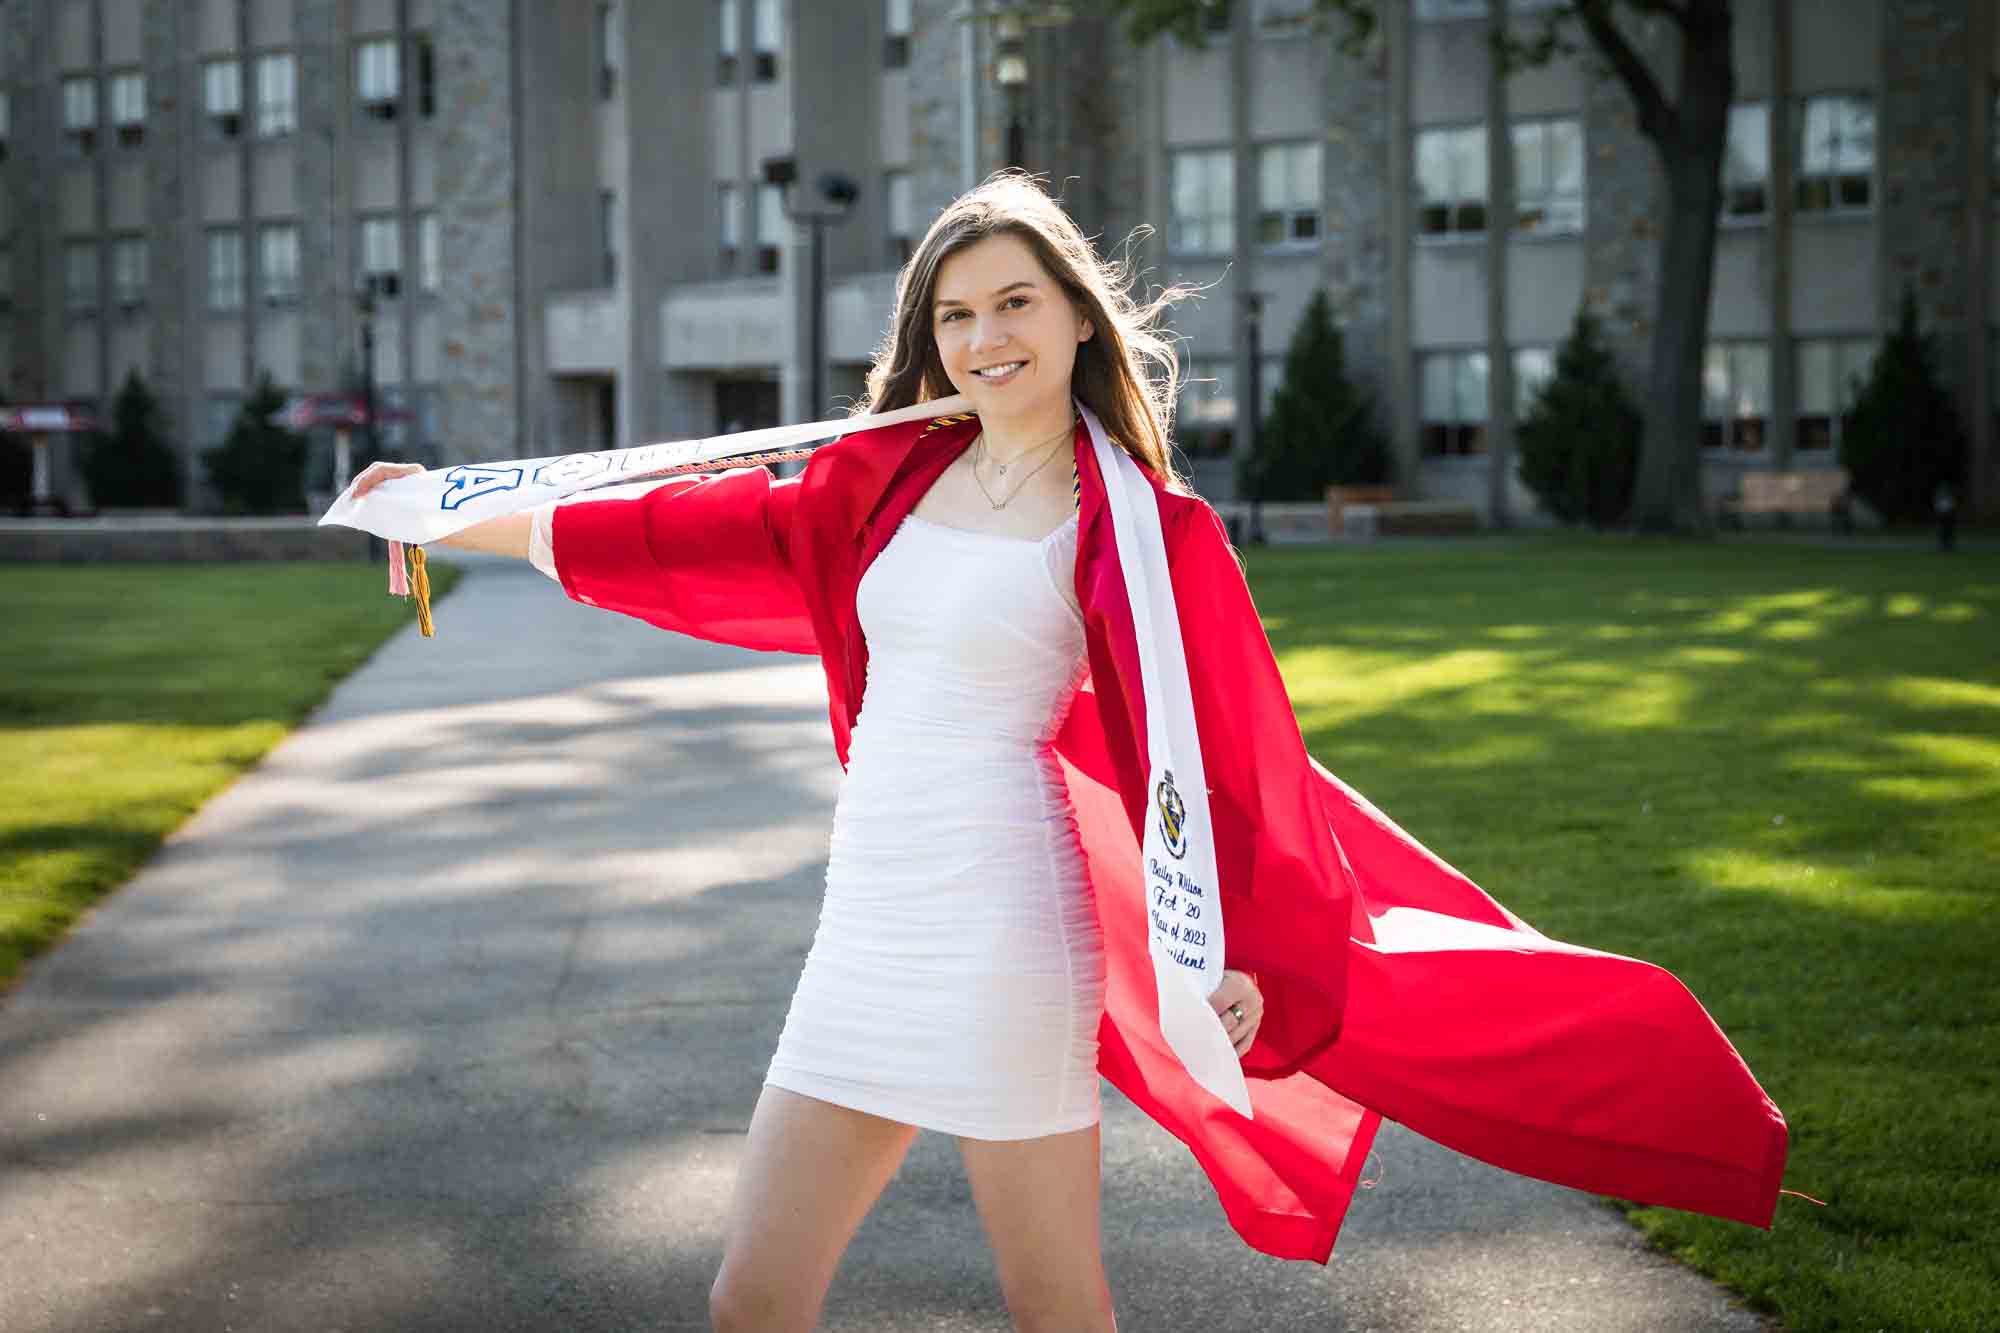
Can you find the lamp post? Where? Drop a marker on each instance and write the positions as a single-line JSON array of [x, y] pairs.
[[364, 305], [839, 192], [1253, 312], [1010, 71]]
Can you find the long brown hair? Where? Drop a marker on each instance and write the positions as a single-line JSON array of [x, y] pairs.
[[1111, 375]]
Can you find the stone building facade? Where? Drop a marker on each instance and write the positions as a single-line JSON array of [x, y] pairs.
[[572, 245]]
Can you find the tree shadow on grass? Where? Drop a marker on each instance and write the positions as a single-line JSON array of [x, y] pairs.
[[1779, 778]]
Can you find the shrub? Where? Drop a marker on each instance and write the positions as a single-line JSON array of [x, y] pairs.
[[1579, 443], [260, 468], [1322, 429], [133, 465], [1902, 439]]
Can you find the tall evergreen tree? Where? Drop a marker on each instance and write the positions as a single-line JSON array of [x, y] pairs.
[[1579, 444], [133, 465], [1903, 439], [260, 467], [1322, 429]]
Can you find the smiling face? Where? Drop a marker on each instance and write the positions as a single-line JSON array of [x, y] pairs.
[[1006, 332]]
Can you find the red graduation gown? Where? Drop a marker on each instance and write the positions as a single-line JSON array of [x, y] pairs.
[[1394, 986]]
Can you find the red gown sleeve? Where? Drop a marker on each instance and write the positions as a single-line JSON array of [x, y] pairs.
[[708, 556]]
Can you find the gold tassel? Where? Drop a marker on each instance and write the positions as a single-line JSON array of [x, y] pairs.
[[420, 583]]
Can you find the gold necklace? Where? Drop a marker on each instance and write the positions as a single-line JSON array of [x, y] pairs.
[[1001, 504]]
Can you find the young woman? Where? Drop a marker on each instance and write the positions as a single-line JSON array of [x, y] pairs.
[[982, 953], [956, 980]]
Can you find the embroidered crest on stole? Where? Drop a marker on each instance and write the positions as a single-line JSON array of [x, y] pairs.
[[1173, 815]]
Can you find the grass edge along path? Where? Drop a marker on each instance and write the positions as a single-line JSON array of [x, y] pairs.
[[134, 693], [1774, 769]]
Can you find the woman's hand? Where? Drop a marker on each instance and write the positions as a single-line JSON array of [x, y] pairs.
[[377, 473], [505, 535], [1240, 1007]]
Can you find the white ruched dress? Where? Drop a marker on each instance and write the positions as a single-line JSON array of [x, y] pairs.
[[956, 979]]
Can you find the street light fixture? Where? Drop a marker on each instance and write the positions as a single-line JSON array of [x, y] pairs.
[[837, 194], [1010, 71]]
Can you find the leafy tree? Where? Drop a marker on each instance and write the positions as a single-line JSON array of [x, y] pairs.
[[133, 465], [1902, 439], [260, 467], [1579, 444], [1322, 430], [1687, 122]]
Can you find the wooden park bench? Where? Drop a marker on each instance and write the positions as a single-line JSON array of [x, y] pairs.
[[1813, 491], [1408, 518]]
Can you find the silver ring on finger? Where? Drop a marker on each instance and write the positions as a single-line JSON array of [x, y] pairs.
[[1237, 1010]]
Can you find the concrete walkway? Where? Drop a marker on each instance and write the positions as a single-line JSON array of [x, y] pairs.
[[451, 1016]]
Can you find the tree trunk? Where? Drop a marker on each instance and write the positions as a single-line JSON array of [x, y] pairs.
[[1668, 497]]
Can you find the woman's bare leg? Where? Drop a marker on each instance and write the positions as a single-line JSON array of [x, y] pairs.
[[811, 1171], [1038, 1199]]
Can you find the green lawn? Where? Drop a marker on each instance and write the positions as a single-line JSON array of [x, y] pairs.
[[1771, 767], [133, 693]]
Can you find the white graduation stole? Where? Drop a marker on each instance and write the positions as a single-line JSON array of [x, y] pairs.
[[1183, 906]]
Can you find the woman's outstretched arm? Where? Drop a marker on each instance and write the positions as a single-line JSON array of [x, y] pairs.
[[505, 535]]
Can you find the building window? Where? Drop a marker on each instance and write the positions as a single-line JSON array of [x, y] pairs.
[[896, 34], [1836, 155], [80, 112], [896, 190], [225, 269], [426, 54], [768, 33], [128, 108], [378, 77], [1451, 180], [1746, 162], [128, 271], [277, 95], [1205, 418], [1454, 403], [729, 226], [1288, 197], [607, 234], [1831, 373], [729, 26], [1203, 202], [80, 291], [382, 255], [1736, 396], [222, 412], [1282, 18], [393, 401], [607, 54], [6, 278], [278, 262], [6, 121], [430, 253], [1548, 177], [1534, 367], [1444, 11], [222, 97], [770, 226]]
